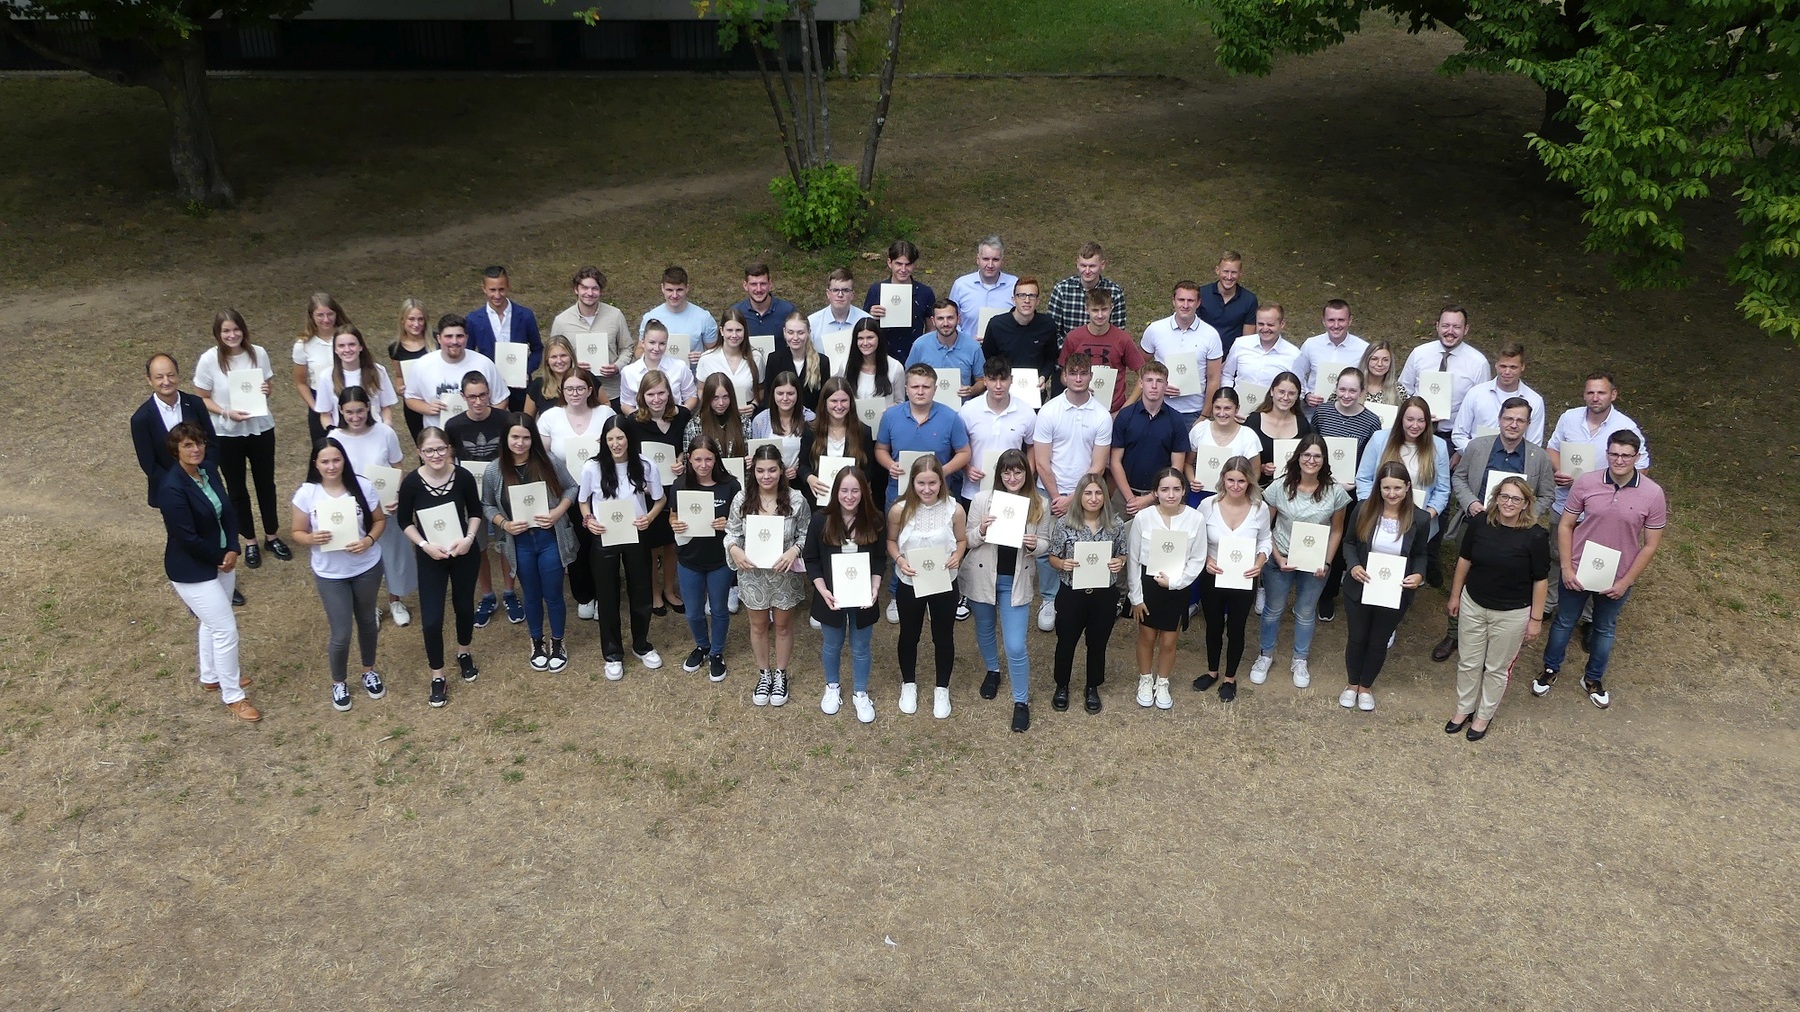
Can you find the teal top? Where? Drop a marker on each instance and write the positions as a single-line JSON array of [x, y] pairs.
[[212, 497]]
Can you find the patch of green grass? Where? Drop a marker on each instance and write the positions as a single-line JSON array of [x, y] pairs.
[[1027, 36], [513, 776]]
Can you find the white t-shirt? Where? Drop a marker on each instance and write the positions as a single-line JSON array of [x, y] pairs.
[[338, 565], [1071, 432], [375, 446], [209, 378], [431, 375], [383, 396], [640, 501], [681, 381], [743, 381], [865, 382], [315, 354], [556, 428]]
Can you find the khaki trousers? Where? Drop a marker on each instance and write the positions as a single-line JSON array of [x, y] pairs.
[[1487, 643]]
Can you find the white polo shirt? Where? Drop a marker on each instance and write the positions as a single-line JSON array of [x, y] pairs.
[[1165, 337], [1071, 431], [991, 431]]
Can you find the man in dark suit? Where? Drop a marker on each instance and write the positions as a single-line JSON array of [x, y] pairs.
[[167, 407], [502, 320]]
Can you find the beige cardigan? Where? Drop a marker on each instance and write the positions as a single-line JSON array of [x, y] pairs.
[[980, 580]]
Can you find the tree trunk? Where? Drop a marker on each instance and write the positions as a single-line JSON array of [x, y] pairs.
[[1553, 126], [878, 118], [193, 156], [789, 146], [813, 63]]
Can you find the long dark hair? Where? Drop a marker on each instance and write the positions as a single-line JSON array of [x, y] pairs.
[[350, 482], [1290, 479], [634, 460], [795, 423], [867, 526], [538, 466], [690, 480], [726, 429], [884, 386], [853, 426], [753, 491]]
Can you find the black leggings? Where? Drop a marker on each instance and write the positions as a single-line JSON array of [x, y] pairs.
[[581, 571], [635, 561], [1226, 613], [458, 573], [943, 632], [259, 452], [1367, 648], [1090, 613]]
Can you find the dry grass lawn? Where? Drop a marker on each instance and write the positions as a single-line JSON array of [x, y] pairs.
[[561, 841]]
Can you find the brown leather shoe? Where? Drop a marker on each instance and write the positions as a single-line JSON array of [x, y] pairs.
[[244, 711], [1444, 649], [243, 683]]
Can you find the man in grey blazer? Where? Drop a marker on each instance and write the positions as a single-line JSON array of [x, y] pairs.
[[1507, 452]]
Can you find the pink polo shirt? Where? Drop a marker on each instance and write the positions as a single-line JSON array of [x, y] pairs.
[[1616, 515]]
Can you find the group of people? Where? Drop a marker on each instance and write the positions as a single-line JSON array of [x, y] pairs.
[[979, 456]]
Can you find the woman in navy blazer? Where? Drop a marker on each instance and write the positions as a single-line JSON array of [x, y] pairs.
[[201, 559], [1389, 523]]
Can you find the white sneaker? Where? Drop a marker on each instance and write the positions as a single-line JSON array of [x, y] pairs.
[[1047, 615], [588, 612], [1391, 638], [1347, 698], [865, 707], [1259, 672], [650, 658], [909, 697], [1259, 600], [1163, 700], [398, 610], [1302, 677], [615, 670], [731, 600], [815, 624], [940, 703], [893, 612], [1146, 694], [832, 700], [1365, 701]]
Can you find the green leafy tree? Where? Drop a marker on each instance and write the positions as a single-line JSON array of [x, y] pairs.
[[155, 45], [1648, 103]]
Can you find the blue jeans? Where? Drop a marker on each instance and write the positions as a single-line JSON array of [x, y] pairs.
[[700, 587], [1568, 613], [540, 580], [831, 653], [1014, 620], [1306, 588]]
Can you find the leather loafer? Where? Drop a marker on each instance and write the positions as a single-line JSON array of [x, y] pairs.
[[1060, 701], [1444, 649], [1093, 700], [280, 550], [252, 555], [237, 599], [242, 710], [990, 686]]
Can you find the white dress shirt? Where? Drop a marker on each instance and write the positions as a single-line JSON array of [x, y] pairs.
[[1317, 352], [1250, 362], [1466, 366], [1481, 409]]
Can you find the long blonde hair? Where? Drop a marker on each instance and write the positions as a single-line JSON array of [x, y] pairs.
[[407, 305]]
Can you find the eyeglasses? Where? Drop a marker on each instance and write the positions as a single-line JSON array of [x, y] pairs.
[[1025, 295], [840, 291], [1509, 497], [1312, 457], [433, 451], [1621, 456], [575, 391]]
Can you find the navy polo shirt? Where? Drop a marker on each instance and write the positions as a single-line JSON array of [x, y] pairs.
[[899, 340], [766, 323], [1147, 441], [1228, 318], [943, 434]]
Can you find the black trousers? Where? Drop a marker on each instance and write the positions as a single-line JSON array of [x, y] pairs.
[[1089, 613], [259, 453], [1227, 611], [458, 575], [943, 632], [315, 430], [1367, 649], [1334, 581], [634, 560], [581, 571]]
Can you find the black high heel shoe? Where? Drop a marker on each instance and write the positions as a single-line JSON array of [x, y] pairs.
[[1452, 727], [1474, 735]]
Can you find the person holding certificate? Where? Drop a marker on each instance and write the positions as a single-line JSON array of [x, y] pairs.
[[1306, 493], [734, 359], [762, 545], [371, 445], [571, 432], [700, 558], [877, 377], [846, 551], [1088, 548], [1277, 417], [719, 417], [200, 559], [352, 365], [999, 577], [313, 354], [1219, 438], [1390, 524], [1497, 594], [339, 516], [927, 538], [412, 340], [1612, 525], [785, 419], [1167, 551], [797, 357], [836, 432], [913, 312], [1237, 524], [526, 497], [1380, 384], [1343, 417], [244, 437], [439, 508], [661, 423], [543, 391], [621, 475]]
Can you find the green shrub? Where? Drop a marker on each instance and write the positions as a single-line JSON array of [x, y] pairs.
[[830, 212]]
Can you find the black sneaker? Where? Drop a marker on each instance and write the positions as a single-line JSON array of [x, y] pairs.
[[469, 671], [695, 660], [1540, 686], [778, 687], [1021, 717], [716, 668], [237, 599], [1327, 611], [1204, 682], [559, 658], [540, 657], [485, 610], [440, 692], [1597, 693], [372, 684], [252, 555], [340, 696], [990, 686], [1227, 691], [963, 613]]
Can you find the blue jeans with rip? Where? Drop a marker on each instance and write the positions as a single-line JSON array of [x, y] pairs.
[[1306, 588], [1013, 620], [1568, 613], [699, 587]]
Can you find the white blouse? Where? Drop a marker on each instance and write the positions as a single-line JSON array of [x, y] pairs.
[[1145, 527]]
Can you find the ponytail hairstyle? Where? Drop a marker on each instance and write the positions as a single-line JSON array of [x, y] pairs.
[[351, 485]]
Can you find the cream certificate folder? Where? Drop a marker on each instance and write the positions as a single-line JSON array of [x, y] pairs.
[[762, 344], [762, 540], [837, 348], [1025, 388], [1284, 452], [898, 300], [577, 451], [528, 500], [1386, 412], [1250, 397], [247, 392], [1385, 573], [753, 445], [1166, 554], [1342, 451], [386, 481], [1494, 478], [1306, 546], [337, 515], [931, 570], [1236, 557], [828, 471], [663, 456], [906, 459], [1093, 560], [1437, 388], [1185, 374], [850, 583], [441, 525], [678, 348], [948, 383], [1209, 461], [453, 405], [1325, 376], [694, 507], [1105, 379], [1580, 458], [478, 468], [618, 517], [982, 320], [869, 409], [592, 350], [1599, 567], [1009, 512], [734, 466], [988, 459], [512, 360]]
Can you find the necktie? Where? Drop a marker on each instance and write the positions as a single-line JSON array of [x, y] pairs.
[[1444, 363]]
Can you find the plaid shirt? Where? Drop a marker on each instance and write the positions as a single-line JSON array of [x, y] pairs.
[[1068, 305]]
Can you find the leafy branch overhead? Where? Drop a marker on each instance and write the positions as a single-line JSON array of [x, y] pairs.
[[1647, 104]]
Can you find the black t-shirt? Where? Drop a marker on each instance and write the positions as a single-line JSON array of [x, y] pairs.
[[1032, 346], [483, 440], [1503, 563], [706, 553]]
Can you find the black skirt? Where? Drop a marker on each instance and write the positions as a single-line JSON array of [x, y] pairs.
[[1165, 610], [659, 533]]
